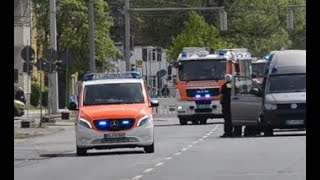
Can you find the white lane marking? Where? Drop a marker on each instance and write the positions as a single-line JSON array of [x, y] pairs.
[[190, 146], [148, 170], [204, 136], [195, 142], [184, 149], [178, 153], [214, 129], [137, 177], [200, 139], [168, 158], [159, 164]]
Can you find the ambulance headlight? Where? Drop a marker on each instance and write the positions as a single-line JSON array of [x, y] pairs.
[[143, 120], [84, 123]]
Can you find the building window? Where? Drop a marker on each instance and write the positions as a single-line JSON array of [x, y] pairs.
[[152, 54]]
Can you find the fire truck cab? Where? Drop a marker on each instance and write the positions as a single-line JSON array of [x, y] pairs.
[[200, 75]]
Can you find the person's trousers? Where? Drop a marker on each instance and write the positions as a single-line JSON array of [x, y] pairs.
[[227, 119]]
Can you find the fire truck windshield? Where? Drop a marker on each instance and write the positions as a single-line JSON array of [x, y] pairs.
[[258, 69], [199, 70]]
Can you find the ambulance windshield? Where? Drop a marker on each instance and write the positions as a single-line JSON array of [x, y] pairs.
[[115, 93]]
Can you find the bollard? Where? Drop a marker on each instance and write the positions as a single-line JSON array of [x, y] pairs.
[[65, 115], [25, 124]]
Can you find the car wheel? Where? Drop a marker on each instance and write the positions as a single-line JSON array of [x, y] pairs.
[[81, 151], [182, 121], [250, 131], [268, 131], [237, 131], [149, 149]]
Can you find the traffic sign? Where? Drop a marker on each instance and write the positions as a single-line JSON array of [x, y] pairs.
[[161, 73], [139, 63], [27, 53]]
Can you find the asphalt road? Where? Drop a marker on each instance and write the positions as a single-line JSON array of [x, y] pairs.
[[182, 153]]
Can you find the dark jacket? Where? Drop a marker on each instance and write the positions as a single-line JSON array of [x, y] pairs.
[[225, 93], [20, 96]]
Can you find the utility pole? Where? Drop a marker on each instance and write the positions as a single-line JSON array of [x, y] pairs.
[[127, 52], [53, 76], [290, 15], [91, 36]]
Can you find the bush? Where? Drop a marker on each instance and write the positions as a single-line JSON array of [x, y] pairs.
[[35, 94]]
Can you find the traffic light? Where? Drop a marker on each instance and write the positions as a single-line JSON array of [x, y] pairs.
[[27, 69], [58, 65], [133, 67]]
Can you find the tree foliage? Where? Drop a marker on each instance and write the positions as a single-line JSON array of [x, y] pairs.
[[196, 33], [259, 25], [72, 29]]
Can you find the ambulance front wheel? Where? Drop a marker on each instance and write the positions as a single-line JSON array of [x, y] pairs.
[[149, 149], [81, 151]]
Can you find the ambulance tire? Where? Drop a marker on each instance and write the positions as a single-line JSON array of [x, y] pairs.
[[81, 151], [149, 149]]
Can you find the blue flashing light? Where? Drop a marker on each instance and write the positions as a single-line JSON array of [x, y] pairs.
[[112, 75], [198, 96], [102, 123], [207, 95], [221, 52], [184, 54], [125, 122]]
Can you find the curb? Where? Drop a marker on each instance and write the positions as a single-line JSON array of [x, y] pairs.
[[21, 135]]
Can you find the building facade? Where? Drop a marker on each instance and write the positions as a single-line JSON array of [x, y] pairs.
[[154, 68]]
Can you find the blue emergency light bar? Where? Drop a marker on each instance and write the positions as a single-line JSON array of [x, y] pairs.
[[112, 75]]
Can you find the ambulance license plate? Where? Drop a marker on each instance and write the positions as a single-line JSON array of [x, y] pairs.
[[114, 135]]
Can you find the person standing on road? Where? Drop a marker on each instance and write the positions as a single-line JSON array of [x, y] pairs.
[[165, 91], [20, 95], [225, 96]]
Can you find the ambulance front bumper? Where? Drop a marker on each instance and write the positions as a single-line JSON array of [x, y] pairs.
[[135, 137]]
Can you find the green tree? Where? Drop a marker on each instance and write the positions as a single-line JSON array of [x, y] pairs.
[[158, 28], [72, 30], [258, 26], [196, 33]]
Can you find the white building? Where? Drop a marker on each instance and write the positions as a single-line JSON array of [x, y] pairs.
[[154, 61], [22, 38]]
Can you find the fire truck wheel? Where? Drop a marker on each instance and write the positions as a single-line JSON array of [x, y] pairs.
[[182, 121], [195, 121], [203, 121]]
